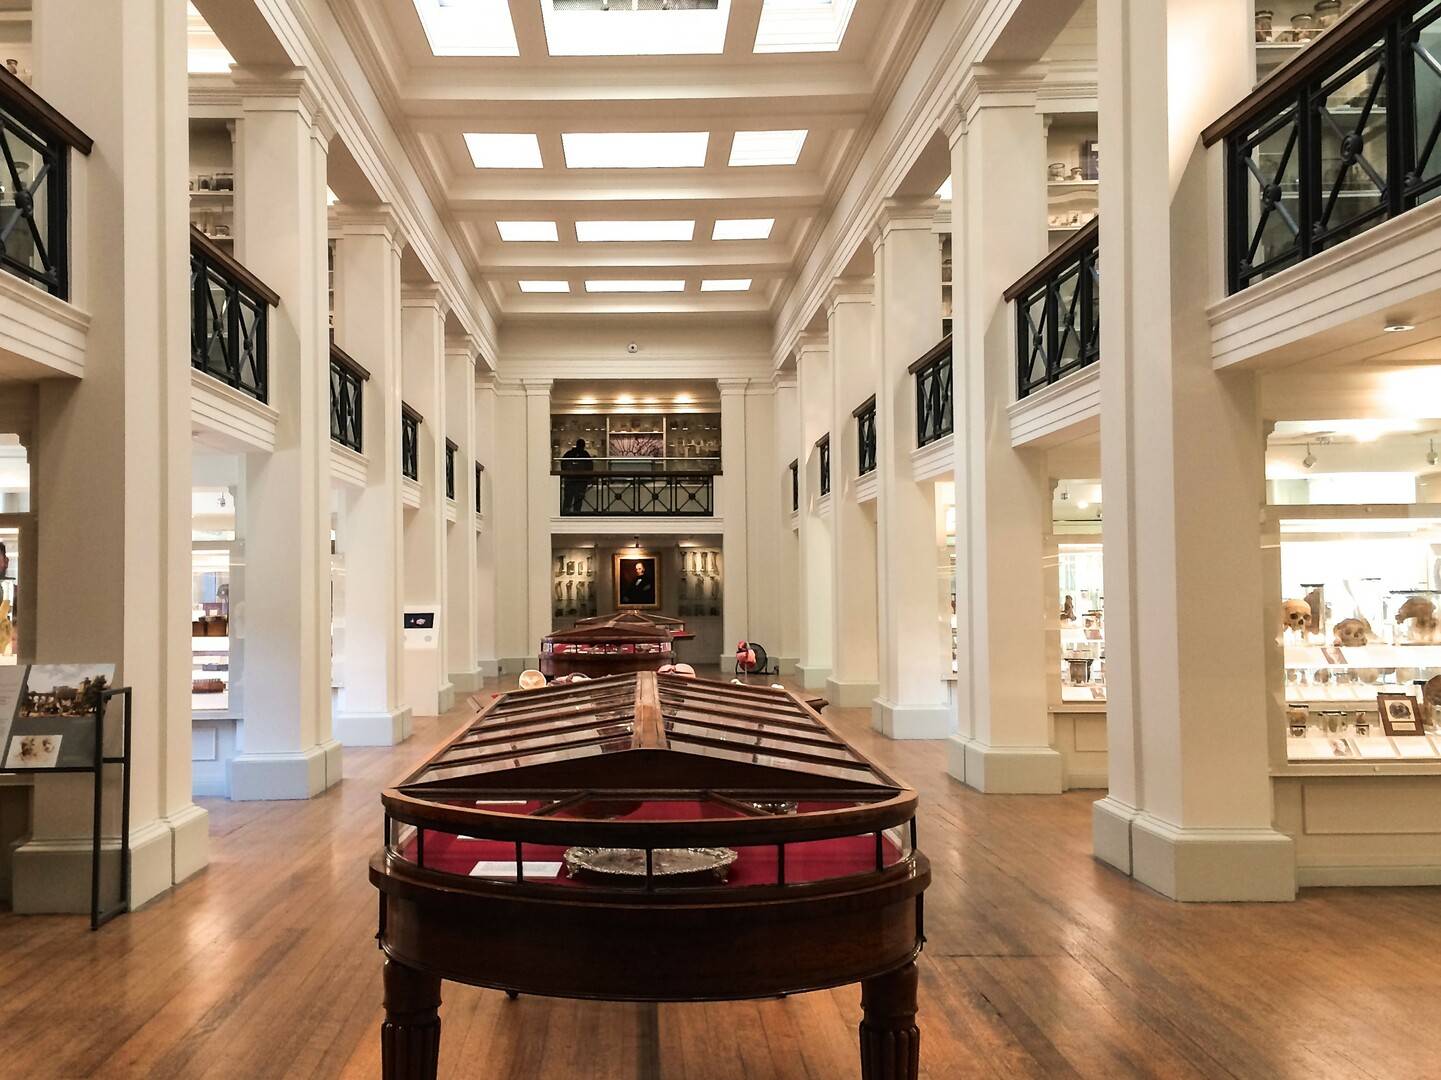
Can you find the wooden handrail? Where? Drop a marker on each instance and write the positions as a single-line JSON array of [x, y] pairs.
[[451, 445], [864, 407], [1344, 34], [826, 438], [410, 414], [232, 266], [345, 360], [935, 352], [18, 98], [1047, 267]]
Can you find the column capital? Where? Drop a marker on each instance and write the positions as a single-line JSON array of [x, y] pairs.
[[486, 380], [462, 346], [812, 342], [993, 86], [784, 380], [424, 296], [278, 89], [903, 215], [376, 219], [537, 387], [850, 290], [732, 386], [508, 387]]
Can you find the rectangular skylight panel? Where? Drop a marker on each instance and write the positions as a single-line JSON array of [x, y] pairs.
[[635, 149], [527, 231], [617, 285], [803, 25], [545, 286], [767, 147], [468, 27], [626, 28], [631, 231], [503, 150], [743, 229], [725, 285]]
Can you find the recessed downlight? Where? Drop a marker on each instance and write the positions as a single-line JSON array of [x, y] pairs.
[[1398, 328]]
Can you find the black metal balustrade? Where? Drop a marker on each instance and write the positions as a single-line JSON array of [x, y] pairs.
[[479, 486], [823, 454], [865, 415], [935, 407], [795, 468], [1336, 142], [450, 449], [638, 495], [347, 399], [36, 141], [229, 319], [410, 422], [1058, 313]]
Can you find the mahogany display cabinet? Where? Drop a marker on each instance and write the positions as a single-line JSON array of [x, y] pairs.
[[607, 646], [650, 837]]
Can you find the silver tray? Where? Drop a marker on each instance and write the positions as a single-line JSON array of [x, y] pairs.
[[629, 863]]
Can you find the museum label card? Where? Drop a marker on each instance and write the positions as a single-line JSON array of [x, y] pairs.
[[501, 868]]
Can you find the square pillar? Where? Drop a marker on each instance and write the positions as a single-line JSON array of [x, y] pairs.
[[1190, 807], [542, 503], [510, 493], [788, 559], [1003, 498], [763, 525], [288, 748], [367, 326], [854, 679], [460, 550], [110, 453], [487, 598], [735, 617], [813, 365], [913, 699], [423, 312]]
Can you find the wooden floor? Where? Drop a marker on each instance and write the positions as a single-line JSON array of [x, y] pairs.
[[1040, 963]]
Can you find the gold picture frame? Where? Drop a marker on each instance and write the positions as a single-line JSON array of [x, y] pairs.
[[636, 581]]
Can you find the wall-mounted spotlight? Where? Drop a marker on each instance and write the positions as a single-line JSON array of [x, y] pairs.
[[1309, 460], [1431, 456]]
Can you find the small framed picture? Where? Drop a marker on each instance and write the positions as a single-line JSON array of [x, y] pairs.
[[1400, 714]]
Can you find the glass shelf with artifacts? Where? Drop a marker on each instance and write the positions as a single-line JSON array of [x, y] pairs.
[[1082, 627], [688, 442], [210, 615], [1357, 649]]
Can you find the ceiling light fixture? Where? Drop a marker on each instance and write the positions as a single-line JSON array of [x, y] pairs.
[[545, 286], [767, 147], [635, 149], [1309, 461], [513, 232], [503, 150], [592, 232], [743, 229], [725, 285], [1398, 328], [620, 285], [1431, 456]]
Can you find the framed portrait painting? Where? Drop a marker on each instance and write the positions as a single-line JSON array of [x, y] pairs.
[[637, 581]]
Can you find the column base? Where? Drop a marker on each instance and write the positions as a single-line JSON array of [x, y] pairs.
[[1212, 864], [1111, 822], [1006, 770], [372, 728], [466, 682], [813, 678], [910, 721], [446, 698], [844, 694], [301, 775], [52, 877], [487, 669], [787, 664], [514, 665]]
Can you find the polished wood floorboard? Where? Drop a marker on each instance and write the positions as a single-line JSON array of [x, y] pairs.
[[1040, 963]]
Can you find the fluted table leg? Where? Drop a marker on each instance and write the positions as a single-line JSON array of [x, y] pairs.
[[410, 1035], [890, 1040]]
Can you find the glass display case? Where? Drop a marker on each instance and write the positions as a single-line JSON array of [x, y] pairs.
[[573, 583], [606, 646], [701, 587], [1358, 652], [210, 672], [641, 437], [1082, 623]]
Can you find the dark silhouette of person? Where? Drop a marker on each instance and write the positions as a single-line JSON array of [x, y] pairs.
[[573, 489]]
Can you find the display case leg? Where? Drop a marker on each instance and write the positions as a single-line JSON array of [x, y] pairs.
[[890, 1040], [410, 1035]]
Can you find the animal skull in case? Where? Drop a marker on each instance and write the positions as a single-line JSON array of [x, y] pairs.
[[1295, 615], [1421, 614], [1353, 633]]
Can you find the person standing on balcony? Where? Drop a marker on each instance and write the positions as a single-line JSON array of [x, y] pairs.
[[572, 490]]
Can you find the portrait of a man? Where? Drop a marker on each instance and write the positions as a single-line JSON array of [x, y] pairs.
[[637, 581]]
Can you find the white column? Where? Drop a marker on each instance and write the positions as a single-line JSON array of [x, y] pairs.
[[542, 503], [855, 656], [510, 528], [422, 325], [998, 162], [460, 610], [1182, 464], [367, 326], [788, 559], [912, 703], [763, 522], [487, 598], [288, 751], [110, 454], [735, 620], [813, 366]]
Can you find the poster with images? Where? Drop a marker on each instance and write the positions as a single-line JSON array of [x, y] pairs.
[[52, 719]]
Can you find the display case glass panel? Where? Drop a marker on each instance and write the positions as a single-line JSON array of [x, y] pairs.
[[1082, 623]]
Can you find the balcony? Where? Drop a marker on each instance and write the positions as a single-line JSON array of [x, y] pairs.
[[35, 187], [865, 415], [795, 468], [1340, 140], [229, 316], [823, 457], [450, 451], [347, 400], [935, 402], [636, 487], [410, 422], [1058, 313]]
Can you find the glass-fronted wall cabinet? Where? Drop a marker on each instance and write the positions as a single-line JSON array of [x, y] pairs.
[[1081, 623], [650, 439], [1073, 154]]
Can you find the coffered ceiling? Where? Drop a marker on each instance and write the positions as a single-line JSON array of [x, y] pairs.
[[762, 106]]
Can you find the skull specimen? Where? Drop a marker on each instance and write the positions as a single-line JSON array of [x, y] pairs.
[[1353, 633], [1295, 615], [1421, 614]]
